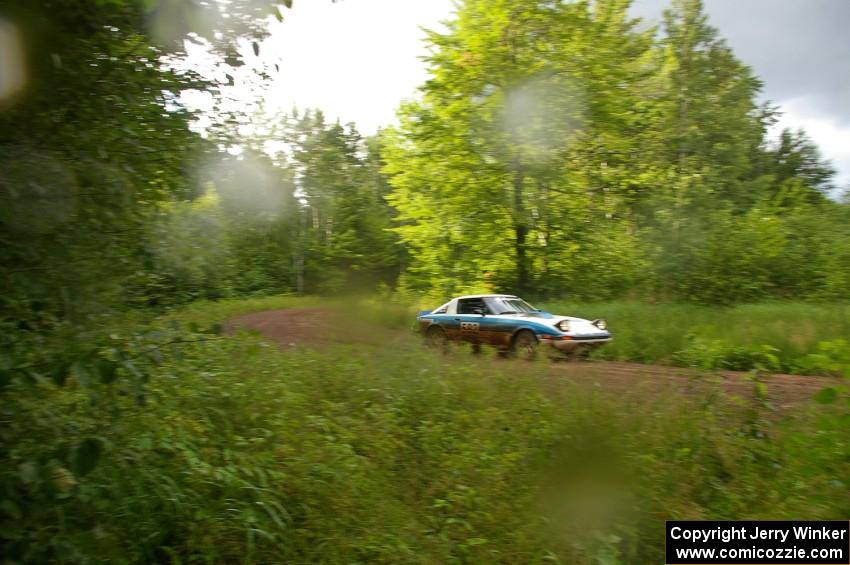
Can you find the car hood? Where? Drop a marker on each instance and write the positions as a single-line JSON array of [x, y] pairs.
[[577, 325]]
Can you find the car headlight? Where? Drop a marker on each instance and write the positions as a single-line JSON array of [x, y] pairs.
[[601, 324], [563, 325]]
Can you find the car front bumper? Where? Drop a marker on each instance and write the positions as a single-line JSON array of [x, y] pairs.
[[568, 343]]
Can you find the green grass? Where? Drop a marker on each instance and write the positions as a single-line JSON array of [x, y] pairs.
[[737, 337], [208, 312], [230, 450]]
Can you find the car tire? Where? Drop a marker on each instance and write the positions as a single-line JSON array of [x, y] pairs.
[[525, 345], [436, 338]]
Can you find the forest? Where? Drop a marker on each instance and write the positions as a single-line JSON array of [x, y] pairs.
[[562, 151]]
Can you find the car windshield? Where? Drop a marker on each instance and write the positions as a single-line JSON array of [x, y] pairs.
[[511, 306]]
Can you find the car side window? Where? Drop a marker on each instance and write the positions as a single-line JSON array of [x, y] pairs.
[[471, 306]]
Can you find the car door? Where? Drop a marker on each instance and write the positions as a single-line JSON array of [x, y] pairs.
[[469, 318], [449, 320]]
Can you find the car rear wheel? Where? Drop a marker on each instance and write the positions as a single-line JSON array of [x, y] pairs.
[[525, 345], [436, 338]]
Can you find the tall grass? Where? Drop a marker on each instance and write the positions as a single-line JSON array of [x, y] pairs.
[[243, 453], [735, 337], [206, 312]]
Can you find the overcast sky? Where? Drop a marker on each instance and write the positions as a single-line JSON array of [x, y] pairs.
[[358, 59], [800, 49]]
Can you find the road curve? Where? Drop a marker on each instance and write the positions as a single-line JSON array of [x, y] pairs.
[[323, 327]]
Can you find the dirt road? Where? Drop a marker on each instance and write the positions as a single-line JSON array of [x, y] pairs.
[[322, 327]]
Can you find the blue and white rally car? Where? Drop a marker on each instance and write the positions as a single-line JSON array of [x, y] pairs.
[[509, 323]]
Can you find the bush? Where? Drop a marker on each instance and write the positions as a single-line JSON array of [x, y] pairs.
[[231, 450], [704, 353], [775, 336], [832, 358]]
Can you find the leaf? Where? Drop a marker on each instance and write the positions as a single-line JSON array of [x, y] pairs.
[[28, 471], [59, 374], [85, 456], [287, 3], [827, 395], [35, 377], [81, 374], [11, 509], [256, 47], [63, 479], [156, 357], [133, 370], [107, 371]]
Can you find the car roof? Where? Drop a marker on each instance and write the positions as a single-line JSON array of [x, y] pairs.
[[486, 296]]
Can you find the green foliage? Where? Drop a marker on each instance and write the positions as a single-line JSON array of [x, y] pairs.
[[315, 222], [86, 150], [496, 172], [73, 388], [110, 200], [720, 354], [205, 313], [832, 357], [556, 149], [244, 453], [789, 337], [343, 238]]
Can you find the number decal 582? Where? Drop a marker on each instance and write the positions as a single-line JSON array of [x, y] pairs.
[[470, 327]]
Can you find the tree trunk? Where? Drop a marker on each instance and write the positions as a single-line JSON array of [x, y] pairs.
[[520, 229]]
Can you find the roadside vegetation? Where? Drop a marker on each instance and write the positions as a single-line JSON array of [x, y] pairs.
[[806, 338], [226, 449], [786, 337]]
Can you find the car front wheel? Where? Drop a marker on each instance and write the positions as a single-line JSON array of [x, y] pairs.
[[436, 338]]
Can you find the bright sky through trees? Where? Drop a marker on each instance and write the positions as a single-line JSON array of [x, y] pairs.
[[358, 59]]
